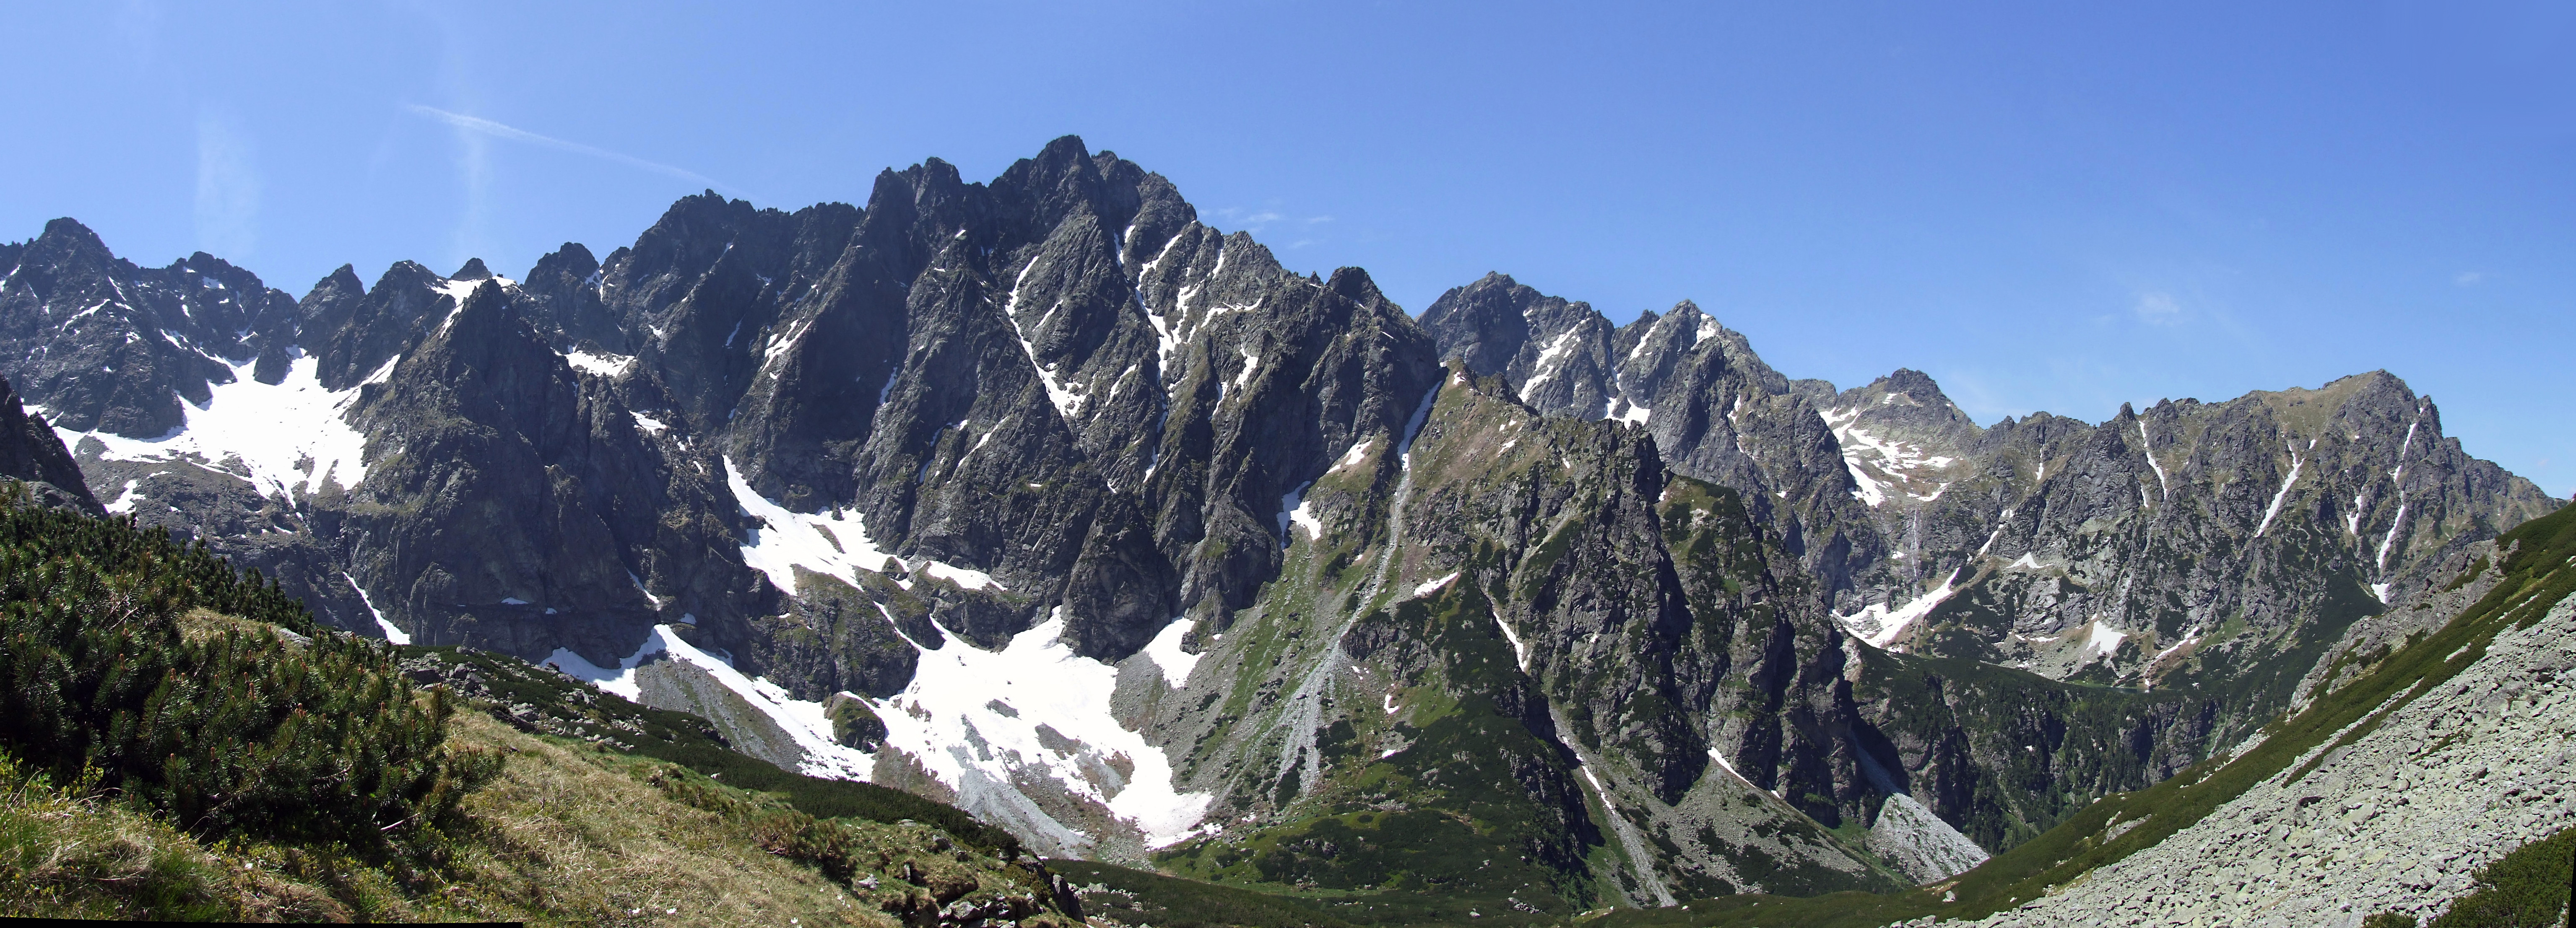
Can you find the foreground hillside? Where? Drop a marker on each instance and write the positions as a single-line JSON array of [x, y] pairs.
[[180, 743]]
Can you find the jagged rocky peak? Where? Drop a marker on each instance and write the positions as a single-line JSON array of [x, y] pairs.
[[1556, 353], [107, 345], [473, 270], [1900, 434], [1561, 356]]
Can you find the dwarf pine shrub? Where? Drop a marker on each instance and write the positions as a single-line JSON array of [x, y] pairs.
[[266, 728]]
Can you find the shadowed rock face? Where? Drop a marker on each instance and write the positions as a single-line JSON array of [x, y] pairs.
[[32, 454], [1617, 611]]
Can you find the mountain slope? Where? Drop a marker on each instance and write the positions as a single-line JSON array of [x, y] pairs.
[[1042, 497]]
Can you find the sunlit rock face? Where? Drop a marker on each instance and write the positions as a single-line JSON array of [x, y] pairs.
[[1040, 496]]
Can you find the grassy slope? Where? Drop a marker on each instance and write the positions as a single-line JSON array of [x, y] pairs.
[[550, 828], [569, 833], [571, 708]]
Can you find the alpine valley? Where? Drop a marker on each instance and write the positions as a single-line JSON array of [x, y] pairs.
[[1043, 499]]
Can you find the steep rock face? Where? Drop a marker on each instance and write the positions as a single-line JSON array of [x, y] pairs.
[[2465, 738], [2217, 548], [1495, 593], [2115, 552], [2220, 546], [1717, 411], [32, 454], [509, 507]]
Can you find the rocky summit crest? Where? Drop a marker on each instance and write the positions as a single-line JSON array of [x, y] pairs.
[[1044, 497]]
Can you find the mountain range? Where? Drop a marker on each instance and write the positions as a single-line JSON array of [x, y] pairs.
[[1041, 497]]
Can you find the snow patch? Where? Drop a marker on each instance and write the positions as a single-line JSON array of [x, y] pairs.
[[1618, 409], [2277, 498], [963, 577], [1067, 402], [1295, 509], [2388, 541], [458, 290], [1165, 650], [1359, 450], [1725, 765], [1520, 652], [650, 425], [2146, 446], [392, 634], [788, 540], [1869, 491], [1880, 625], [2104, 642], [781, 345], [272, 430], [1434, 586], [802, 720], [1251, 365], [605, 365], [946, 719], [1545, 366], [124, 502]]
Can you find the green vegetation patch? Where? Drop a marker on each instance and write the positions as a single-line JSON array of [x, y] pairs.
[[1140, 898], [2525, 889], [247, 720]]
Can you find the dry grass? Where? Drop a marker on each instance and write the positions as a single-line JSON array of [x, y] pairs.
[[67, 857], [568, 834], [572, 835]]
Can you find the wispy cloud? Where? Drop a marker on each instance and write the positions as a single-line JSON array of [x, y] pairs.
[[2469, 278], [1246, 219], [480, 126], [2158, 308], [228, 188]]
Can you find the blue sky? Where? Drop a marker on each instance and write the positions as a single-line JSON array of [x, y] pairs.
[[2045, 206]]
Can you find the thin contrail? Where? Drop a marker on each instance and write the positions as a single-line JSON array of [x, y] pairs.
[[497, 130]]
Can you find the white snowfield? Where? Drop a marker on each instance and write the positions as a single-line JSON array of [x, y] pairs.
[[974, 718], [1881, 625], [981, 722], [1165, 651], [603, 364], [835, 545], [971, 713], [1895, 462], [803, 721], [272, 431]]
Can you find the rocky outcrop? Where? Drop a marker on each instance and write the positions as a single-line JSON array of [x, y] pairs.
[[33, 455]]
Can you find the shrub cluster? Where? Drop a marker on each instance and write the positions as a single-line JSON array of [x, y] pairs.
[[266, 728]]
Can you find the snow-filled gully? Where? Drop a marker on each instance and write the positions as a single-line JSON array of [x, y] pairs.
[[980, 722]]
